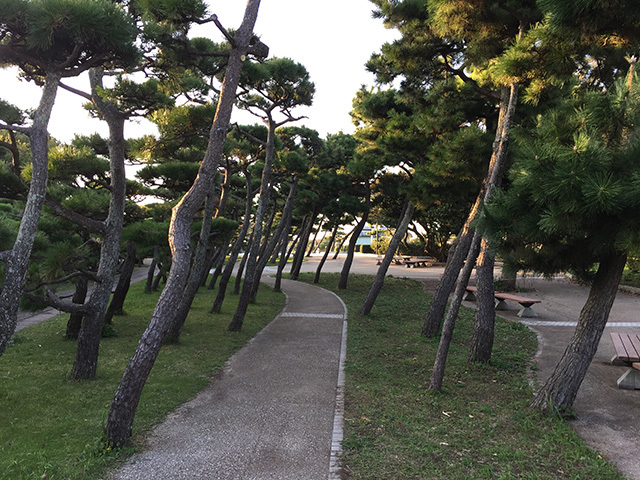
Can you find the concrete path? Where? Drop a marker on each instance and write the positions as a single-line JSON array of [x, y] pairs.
[[271, 414], [275, 413]]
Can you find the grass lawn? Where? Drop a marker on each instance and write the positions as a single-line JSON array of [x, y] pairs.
[[51, 427], [479, 427]]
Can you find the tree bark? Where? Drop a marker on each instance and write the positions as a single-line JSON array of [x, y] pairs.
[[298, 258], [263, 202], [152, 268], [16, 262], [75, 319], [560, 390], [86, 360], [195, 273], [235, 250], [483, 327], [376, 286], [119, 296], [283, 263], [242, 266], [125, 401], [342, 242], [432, 321], [316, 279], [219, 265], [482, 342], [450, 321], [284, 225], [346, 266]]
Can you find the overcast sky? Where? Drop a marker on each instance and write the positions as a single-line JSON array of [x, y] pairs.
[[332, 38]]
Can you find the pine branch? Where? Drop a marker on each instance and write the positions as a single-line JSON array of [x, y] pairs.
[[56, 302], [85, 222], [75, 90], [227, 35], [459, 72], [15, 128], [249, 136]]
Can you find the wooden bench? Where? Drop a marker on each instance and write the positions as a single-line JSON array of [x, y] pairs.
[[627, 347], [419, 262], [526, 303], [400, 260]]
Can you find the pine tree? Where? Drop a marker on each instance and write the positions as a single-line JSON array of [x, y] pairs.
[[574, 205]]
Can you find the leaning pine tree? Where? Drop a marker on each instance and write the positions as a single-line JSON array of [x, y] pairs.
[[574, 205]]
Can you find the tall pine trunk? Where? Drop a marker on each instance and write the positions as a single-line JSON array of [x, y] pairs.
[[152, 268], [283, 263], [122, 288], [483, 327], [235, 250], [561, 388], [86, 361], [16, 261], [252, 255], [316, 279], [125, 401], [346, 266], [438, 305], [398, 235], [482, 341], [298, 258], [449, 323], [283, 226], [342, 242], [75, 318], [195, 274]]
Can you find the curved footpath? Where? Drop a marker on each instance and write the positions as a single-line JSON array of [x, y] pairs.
[[274, 413], [276, 410]]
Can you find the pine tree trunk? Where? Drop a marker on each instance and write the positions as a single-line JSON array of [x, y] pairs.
[[242, 266], [283, 263], [509, 276], [485, 317], [86, 360], [483, 327], [125, 401], [298, 258], [160, 277], [398, 235], [438, 305], [560, 390], [195, 273], [16, 261], [316, 279], [75, 319], [219, 265], [450, 320], [346, 266], [342, 242], [235, 250], [119, 296], [263, 202], [152, 268], [283, 226], [455, 261]]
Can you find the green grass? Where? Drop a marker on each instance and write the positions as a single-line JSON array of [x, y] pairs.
[[479, 427], [51, 427]]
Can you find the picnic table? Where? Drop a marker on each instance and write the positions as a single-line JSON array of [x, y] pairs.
[[627, 348], [526, 303], [419, 262]]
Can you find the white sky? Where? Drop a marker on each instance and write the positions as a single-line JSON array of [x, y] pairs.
[[332, 38]]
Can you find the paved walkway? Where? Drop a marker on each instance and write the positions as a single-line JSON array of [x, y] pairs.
[[274, 413]]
